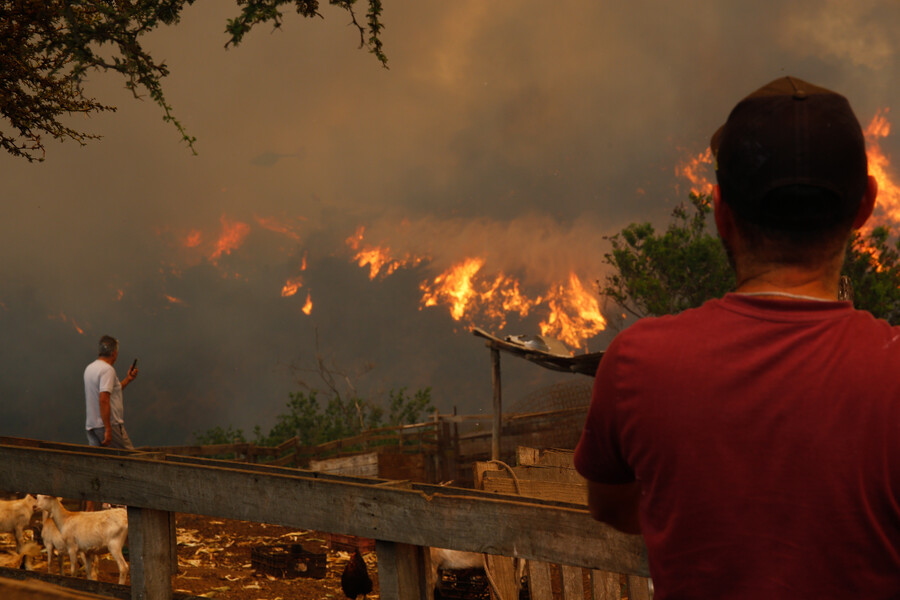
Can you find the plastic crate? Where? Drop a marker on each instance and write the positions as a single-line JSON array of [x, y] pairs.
[[288, 560]]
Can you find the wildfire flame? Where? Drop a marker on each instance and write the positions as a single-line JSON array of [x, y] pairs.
[[695, 169], [453, 287], [231, 238], [888, 202], [378, 259], [307, 308], [291, 287], [193, 239], [573, 314], [66, 319]]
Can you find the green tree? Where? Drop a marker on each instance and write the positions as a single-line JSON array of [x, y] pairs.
[[217, 435], [405, 410], [48, 47], [314, 422], [872, 263], [666, 273]]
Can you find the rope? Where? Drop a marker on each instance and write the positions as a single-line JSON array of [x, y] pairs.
[[487, 571]]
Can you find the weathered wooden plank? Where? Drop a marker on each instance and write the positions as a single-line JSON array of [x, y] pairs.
[[527, 456], [503, 575], [38, 590], [638, 588], [388, 584], [150, 545], [572, 583], [396, 465], [567, 492], [365, 465], [77, 584], [401, 571], [605, 586], [541, 473], [426, 488], [540, 585]]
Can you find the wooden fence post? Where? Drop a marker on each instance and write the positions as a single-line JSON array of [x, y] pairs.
[[150, 553], [498, 404], [401, 571]]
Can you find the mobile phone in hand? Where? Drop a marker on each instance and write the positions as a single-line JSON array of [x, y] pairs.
[[133, 365]]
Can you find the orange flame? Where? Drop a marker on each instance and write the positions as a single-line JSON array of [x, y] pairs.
[[291, 287], [694, 170], [888, 203], [379, 259], [307, 308], [66, 319], [192, 239], [173, 299], [231, 238], [574, 314], [453, 287]]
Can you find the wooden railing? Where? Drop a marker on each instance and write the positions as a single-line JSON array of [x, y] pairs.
[[402, 517]]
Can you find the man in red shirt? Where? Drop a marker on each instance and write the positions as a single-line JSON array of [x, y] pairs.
[[755, 441]]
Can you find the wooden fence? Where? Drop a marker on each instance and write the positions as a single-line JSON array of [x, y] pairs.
[[450, 444], [402, 517]]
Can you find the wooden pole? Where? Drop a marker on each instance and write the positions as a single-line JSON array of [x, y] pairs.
[[498, 404], [150, 551]]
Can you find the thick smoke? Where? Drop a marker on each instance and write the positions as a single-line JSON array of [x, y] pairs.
[[504, 130]]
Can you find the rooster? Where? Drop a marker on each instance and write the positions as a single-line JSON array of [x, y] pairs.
[[355, 580]]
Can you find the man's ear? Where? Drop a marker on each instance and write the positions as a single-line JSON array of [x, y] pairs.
[[722, 214], [867, 204]]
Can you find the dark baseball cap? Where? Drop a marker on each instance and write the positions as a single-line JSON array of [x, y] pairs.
[[791, 135]]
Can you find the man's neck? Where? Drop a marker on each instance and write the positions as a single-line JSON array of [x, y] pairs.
[[793, 281]]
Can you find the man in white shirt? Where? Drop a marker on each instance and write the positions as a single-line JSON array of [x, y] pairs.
[[105, 409]]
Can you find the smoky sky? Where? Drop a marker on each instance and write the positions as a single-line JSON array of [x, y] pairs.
[[509, 130]]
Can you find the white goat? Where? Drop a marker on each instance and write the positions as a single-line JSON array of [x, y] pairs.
[[15, 516], [53, 540], [92, 533]]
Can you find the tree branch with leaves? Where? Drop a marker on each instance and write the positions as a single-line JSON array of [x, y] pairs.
[[47, 47], [665, 273]]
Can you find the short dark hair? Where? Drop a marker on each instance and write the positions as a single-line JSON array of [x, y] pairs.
[[108, 345]]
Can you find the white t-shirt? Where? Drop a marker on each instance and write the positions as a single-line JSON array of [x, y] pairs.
[[100, 376]]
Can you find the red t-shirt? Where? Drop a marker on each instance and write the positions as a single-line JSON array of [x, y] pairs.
[[766, 437]]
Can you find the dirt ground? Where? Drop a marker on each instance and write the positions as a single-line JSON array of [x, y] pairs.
[[214, 561]]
